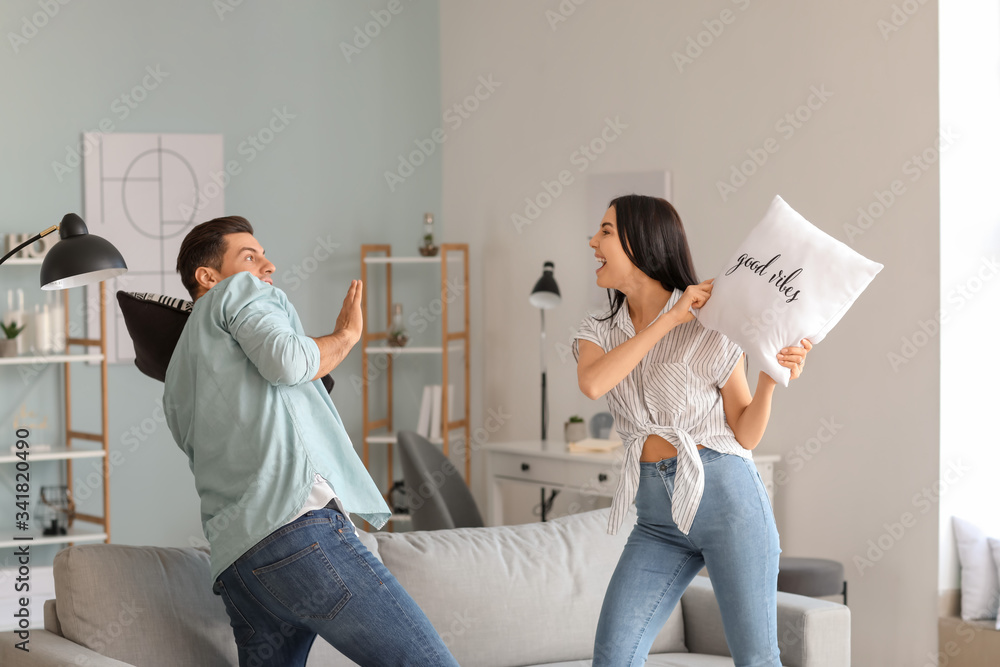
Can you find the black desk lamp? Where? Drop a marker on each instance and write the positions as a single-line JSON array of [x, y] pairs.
[[79, 258], [545, 296]]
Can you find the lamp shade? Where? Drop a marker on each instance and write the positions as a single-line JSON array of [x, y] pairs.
[[79, 258], [546, 293]]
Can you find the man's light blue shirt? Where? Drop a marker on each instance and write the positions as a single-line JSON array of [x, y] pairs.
[[240, 401]]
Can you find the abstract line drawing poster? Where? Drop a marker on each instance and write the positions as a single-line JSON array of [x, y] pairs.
[[143, 193]]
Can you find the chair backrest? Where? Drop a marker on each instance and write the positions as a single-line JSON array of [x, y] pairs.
[[437, 495]]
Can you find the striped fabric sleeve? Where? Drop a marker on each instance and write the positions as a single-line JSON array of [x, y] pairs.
[[729, 356], [586, 331]]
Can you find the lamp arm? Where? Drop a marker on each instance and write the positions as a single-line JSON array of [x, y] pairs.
[[29, 242]]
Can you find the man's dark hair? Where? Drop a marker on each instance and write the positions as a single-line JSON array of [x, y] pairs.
[[205, 245]]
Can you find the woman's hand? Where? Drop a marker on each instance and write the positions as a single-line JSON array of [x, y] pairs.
[[794, 358], [695, 296]]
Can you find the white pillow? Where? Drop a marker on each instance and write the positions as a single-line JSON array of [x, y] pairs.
[[787, 281], [995, 548], [980, 584]]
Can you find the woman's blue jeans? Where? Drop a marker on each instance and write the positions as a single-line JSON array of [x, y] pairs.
[[315, 577], [733, 535]]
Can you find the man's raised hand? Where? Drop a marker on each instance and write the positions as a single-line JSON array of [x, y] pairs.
[[350, 320]]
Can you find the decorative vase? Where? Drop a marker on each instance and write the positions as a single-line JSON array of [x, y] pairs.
[[398, 337], [574, 431], [8, 347], [428, 249]]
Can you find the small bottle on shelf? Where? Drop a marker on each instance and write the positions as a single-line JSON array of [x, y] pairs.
[[398, 337], [428, 249]]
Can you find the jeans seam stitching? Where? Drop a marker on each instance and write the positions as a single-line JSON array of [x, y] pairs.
[[663, 593], [280, 532], [311, 549], [239, 613], [261, 604]]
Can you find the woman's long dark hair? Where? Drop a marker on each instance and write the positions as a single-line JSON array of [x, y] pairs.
[[653, 238]]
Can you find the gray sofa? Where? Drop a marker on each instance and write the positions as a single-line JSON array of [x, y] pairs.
[[499, 596]]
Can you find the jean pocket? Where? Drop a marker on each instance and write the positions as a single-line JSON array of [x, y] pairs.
[[242, 630], [306, 583]]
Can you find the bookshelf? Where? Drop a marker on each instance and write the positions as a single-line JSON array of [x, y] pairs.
[[379, 433]]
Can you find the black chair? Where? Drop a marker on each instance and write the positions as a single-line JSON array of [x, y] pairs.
[[812, 577], [437, 495]]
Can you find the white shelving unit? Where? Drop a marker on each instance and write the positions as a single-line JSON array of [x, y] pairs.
[[64, 451]]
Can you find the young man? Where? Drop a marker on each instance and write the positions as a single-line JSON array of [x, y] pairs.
[[275, 469]]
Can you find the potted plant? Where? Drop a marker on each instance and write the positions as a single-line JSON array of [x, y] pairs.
[[8, 344], [575, 430]]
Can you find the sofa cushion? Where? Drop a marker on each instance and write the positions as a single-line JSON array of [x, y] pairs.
[[516, 595], [146, 606]]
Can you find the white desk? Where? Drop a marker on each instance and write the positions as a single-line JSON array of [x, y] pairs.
[[554, 467]]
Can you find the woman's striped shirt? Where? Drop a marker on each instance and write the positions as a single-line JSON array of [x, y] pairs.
[[674, 392]]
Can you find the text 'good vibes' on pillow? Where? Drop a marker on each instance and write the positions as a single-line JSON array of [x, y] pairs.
[[786, 281]]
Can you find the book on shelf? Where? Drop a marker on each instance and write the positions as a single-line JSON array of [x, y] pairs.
[[429, 422], [424, 421], [594, 445]]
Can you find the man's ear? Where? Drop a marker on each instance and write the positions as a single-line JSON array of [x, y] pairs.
[[206, 277]]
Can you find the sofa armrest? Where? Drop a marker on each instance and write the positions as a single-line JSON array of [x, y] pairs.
[[811, 632], [50, 650]]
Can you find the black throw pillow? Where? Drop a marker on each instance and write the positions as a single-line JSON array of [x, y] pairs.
[[154, 323]]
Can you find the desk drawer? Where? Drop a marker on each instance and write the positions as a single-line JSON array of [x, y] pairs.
[[597, 477]]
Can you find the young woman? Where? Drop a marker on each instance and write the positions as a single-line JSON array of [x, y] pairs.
[[684, 411]]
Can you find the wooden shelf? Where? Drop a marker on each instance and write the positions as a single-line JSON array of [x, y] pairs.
[[60, 453], [383, 430], [420, 259], [73, 535], [434, 349], [17, 261], [391, 439], [49, 359], [63, 445]]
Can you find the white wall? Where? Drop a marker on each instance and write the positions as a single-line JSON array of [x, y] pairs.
[[970, 290], [558, 85]]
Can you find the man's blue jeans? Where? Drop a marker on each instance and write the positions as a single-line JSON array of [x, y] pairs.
[[315, 577], [733, 535]]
